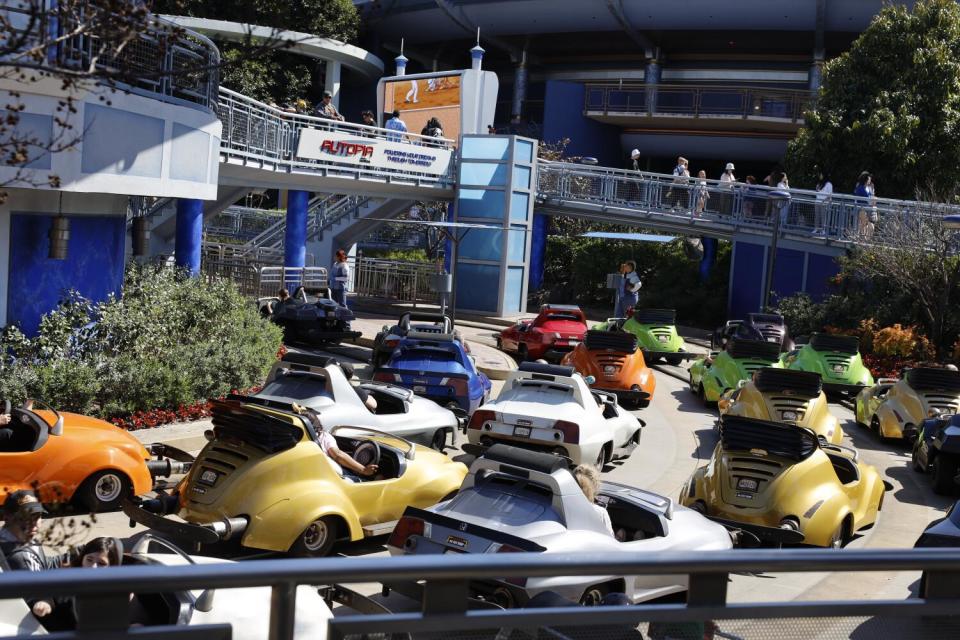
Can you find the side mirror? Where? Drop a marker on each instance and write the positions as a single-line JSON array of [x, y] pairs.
[[57, 428]]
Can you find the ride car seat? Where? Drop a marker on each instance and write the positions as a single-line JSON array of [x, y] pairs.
[[846, 469], [29, 432]]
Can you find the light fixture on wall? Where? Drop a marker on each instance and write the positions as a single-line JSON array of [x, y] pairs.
[[59, 234], [140, 236]]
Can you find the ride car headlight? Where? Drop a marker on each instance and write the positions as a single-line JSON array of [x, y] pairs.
[[838, 368], [788, 415], [610, 369]]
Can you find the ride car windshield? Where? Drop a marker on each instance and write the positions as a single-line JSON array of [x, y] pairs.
[[508, 501], [766, 318], [575, 317], [430, 355]]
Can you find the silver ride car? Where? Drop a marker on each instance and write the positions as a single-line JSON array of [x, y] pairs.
[[517, 500], [318, 382]]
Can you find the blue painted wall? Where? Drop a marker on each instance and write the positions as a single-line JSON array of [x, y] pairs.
[[746, 279], [94, 264], [563, 118], [787, 274], [820, 269]]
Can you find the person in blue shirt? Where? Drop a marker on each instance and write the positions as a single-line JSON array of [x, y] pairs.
[[629, 286], [397, 127]]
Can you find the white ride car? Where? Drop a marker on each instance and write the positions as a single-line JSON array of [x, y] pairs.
[[246, 609], [319, 382], [516, 500], [551, 408]]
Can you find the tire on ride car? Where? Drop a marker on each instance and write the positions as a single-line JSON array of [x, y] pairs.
[[675, 361], [104, 491], [944, 472], [316, 540]]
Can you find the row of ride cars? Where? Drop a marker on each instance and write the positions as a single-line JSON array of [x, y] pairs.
[[262, 482]]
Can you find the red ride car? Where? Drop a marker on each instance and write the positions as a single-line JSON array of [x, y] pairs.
[[556, 331]]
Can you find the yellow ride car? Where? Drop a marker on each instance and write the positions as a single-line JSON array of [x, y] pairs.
[[263, 479], [784, 395], [897, 408], [783, 484]]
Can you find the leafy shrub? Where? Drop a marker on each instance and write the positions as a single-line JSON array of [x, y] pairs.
[[895, 341], [802, 315], [168, 342]]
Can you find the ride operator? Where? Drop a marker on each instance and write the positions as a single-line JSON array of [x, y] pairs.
[[627, 292], [341, 278]]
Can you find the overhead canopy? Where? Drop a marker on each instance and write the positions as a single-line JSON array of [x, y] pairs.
[[637, 237]]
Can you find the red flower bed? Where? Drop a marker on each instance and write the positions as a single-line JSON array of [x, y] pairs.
[[158, 417], [886, 366]]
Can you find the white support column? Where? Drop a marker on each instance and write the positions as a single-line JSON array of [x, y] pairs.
[[332, 81]]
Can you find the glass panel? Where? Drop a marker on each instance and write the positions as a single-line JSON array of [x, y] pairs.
[[478, 286], [516, 244], [485, 148], [523, 151], [512, 296], [480, 203], [485, 174], [519, 207], [521, 177], [482, 244]]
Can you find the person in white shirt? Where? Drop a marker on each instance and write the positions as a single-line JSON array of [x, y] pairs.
[[588, 477], [824, 197], [727, 180], [328, 444], [396, 126]]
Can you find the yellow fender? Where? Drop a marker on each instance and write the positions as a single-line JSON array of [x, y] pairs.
[[278, 526]]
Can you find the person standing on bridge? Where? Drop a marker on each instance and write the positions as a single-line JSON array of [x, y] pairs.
[[396, 126], [340, 278], [629, 286], [326, 108], [727, 182]]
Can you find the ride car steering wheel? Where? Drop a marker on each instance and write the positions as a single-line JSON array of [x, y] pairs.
[[367, 452]]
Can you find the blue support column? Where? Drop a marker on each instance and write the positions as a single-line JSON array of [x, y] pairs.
[[651, 78], [538, 250], [189, 240], [709, 258], [295, 237]]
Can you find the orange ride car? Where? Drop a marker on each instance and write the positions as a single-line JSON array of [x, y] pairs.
[[69, 457], [616, 365]]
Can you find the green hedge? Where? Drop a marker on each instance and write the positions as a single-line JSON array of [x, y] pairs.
[[169, 341]]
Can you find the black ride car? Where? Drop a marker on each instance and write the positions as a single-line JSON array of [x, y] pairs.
[[937, 451], [310, 316], [766, 327]]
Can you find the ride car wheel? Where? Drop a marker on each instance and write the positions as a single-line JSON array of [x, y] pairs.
[[875, 426], [602, 457], [839, 537], [944, 472], [593, 596], [674, 360], [104, 491], [439, 440], [317, 539]]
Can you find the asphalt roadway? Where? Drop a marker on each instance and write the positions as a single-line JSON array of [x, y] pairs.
[[680, 436]]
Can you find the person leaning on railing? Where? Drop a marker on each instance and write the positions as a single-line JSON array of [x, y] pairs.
[[326, 108], [866, 206]]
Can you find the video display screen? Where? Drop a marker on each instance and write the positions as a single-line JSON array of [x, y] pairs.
[[420, 99]]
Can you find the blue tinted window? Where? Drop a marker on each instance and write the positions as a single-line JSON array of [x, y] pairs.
[[485, 148], [521, 177], [519, 207], [478, 286], [516, 244], [482, 244], [485, 174], [523, 151], [513, 295], [480, 203]]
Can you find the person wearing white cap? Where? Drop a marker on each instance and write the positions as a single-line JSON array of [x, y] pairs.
[[727, 180], [635, 159]]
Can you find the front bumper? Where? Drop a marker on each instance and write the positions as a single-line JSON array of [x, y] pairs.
[[153, 514]]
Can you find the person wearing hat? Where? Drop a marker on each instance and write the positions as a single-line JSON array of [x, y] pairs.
[[727, 181], [326, 108]]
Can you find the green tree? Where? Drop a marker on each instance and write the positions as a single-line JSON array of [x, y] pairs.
[[277, 75], [890, 105]]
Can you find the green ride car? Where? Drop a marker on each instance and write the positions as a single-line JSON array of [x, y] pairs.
[[836, 359], [720, 371], [656, 333]]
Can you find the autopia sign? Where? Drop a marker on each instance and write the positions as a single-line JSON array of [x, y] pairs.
[[344, 148]]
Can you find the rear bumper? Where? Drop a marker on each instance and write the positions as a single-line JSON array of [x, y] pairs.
[[842, 388], [319, 335], [683, 355], [628, 395], [153, 515], [479, 449]]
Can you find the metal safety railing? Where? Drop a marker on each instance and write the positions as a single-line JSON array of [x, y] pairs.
[[394, 281], [163, 61], [726, 208], [102, 596], [255, 131], [262, 280], [698, 100], [241, 223]]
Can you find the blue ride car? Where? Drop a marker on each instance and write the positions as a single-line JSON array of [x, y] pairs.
[[438, 367]]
